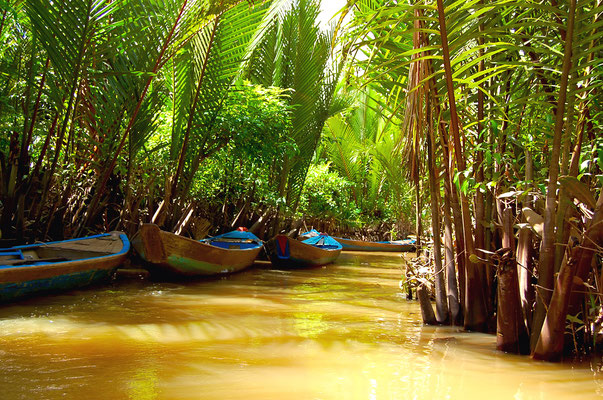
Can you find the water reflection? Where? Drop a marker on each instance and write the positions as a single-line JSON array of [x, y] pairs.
[[340, 332]]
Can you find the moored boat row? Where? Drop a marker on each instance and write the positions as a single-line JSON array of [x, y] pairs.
[[54, 266]]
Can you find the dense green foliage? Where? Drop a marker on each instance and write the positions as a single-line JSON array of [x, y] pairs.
[[129, 111], [326, 196]]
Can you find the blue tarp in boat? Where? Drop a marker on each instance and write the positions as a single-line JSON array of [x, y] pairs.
[[323, 241], [245, 239], [237, 235]]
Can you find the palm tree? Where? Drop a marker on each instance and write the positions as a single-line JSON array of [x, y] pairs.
[[296, 54]]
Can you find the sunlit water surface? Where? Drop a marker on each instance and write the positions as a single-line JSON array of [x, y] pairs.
[[344, 331]]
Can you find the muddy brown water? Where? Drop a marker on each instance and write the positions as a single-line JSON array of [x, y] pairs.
[[344, 331]]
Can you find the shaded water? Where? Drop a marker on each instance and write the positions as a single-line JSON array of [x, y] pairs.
[[344, 331]]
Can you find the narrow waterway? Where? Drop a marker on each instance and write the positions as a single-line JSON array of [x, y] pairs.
[[344, 331]]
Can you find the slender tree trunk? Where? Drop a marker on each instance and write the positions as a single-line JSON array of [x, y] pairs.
[[478, 168], [442, 311], [525, 265], [511, 333], [451, 284], [49, 136], [546, 262], [476, 317], [126, 212], [426, 308], [489, 199], [451, 195], [418, 225], [452, 287]]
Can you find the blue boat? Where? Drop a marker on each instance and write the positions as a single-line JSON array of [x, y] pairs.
[[286, 252], [54, 266]]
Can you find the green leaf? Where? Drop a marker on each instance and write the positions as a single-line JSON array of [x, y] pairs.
[[574, 319]]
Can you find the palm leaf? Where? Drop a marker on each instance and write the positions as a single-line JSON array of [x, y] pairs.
[[216, 57]]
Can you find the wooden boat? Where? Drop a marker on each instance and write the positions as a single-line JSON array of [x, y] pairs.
[[175, 255], [286, 252], [53, 266], [360, 245]]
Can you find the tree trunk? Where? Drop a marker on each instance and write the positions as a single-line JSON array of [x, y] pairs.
[[511, 333], [578, 260], [418, 225], [478, 168], [426, 308], [452, 287], [475, 303], [546, 262], [525, 266], [442, 311]]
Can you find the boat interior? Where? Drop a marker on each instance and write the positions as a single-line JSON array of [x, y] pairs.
[[60, 251], [226, 244], [327, 246]]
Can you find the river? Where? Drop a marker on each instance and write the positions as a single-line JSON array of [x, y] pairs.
[[344, 331]]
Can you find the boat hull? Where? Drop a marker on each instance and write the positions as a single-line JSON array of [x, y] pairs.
[[296, 254], [42, 277], [359, 245], [175, 255]]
